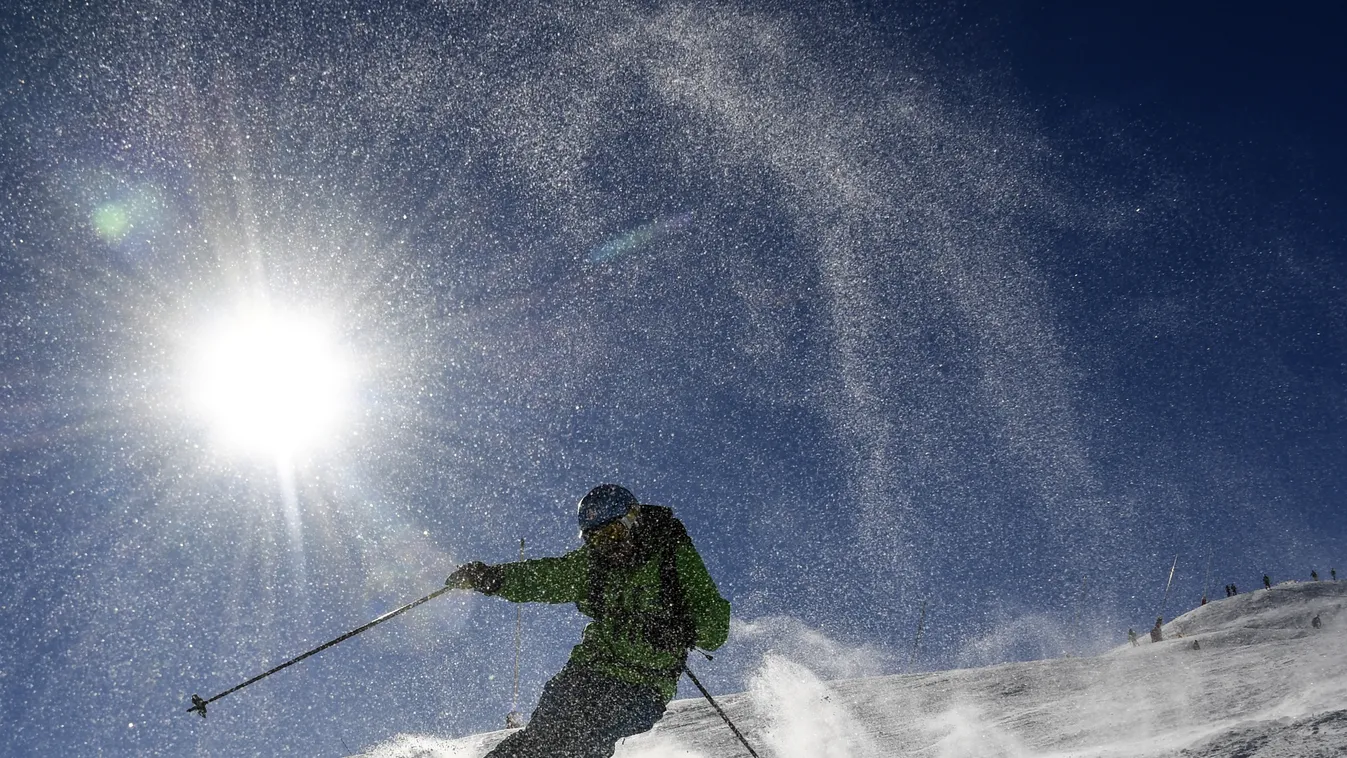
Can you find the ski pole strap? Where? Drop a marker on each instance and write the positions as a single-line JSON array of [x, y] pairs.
[[716, 705]]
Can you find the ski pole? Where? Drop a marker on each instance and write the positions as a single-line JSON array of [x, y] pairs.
[[199, 705], [716, 705]]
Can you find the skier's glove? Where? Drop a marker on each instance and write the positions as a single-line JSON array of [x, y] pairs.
[[477, 576]]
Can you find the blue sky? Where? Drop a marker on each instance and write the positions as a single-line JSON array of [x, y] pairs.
[[994, 307]]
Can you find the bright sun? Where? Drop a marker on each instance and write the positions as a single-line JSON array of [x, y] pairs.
[[269, 383]]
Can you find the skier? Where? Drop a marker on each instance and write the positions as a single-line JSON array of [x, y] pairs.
[[1267, 583], [644, 584], [1315, 622], [1156, 634], [1314, 575], [1132, 637]]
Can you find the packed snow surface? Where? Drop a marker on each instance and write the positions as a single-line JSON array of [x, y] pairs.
[[1247, 676]]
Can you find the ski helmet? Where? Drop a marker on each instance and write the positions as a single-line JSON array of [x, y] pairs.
[[604, 503]]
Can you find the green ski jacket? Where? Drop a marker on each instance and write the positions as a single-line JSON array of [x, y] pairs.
[[647, 611]]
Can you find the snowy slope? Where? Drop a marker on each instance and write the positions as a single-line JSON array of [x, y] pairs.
[[1260, 683]]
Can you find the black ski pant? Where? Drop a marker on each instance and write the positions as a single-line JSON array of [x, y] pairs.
[[582, 714]]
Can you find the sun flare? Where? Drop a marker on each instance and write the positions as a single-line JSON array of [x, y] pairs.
[[269, 383]]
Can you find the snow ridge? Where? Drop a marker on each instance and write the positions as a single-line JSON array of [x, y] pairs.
[[1242, 677]]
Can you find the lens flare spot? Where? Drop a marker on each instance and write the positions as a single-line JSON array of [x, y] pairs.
[[111, 222], [639, 238]]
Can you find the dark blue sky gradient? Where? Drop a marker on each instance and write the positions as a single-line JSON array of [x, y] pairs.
[[997, 306]]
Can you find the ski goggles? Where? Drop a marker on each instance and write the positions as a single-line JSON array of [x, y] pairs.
[[613, 531]]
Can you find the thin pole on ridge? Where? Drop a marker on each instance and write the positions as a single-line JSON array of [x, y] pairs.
[[916, 641], [514, 719], [1165, 603], [1206, 576], [1080, 609]]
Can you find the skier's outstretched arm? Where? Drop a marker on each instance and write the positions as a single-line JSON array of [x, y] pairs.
[[538, 580]]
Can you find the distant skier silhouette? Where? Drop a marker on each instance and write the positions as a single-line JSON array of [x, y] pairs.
[[1315, 622], [1156, 634], [1314, 575], [1267, 583], [1132, 637]]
